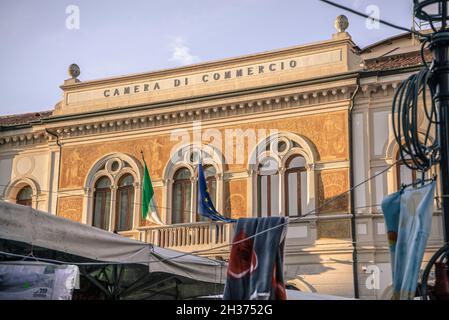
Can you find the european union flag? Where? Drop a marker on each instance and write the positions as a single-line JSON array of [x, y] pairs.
[[205, 205]]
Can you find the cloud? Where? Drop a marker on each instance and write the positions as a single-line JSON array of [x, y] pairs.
[[181, 53]]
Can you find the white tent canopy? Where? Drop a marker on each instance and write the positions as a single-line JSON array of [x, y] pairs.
[[39, 229]]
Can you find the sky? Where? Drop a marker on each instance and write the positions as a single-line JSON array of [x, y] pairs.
[[40, 39]]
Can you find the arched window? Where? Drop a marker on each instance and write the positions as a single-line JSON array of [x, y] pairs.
[[268, 188], [102, 203], [182, 196], [404, 175], [282, 176], [113, 203], [181, 202], [295, 186], [124, 203], [24, 197]]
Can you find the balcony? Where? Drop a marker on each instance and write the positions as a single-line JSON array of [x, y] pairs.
[[188, 237], [207, 236]]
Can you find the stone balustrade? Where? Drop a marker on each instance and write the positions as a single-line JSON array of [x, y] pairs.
[[190, 236]]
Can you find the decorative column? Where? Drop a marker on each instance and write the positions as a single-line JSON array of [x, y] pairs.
[[167, 200], [251, 187], [220, 193], [113, 207], [194, 198], [311, 196], [282, 192], [137, 205], [88, 200]]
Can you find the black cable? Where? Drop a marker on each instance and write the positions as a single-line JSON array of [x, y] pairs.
[[372, 18], [419, 149]]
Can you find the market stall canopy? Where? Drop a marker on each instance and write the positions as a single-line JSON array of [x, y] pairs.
[[65, 238]]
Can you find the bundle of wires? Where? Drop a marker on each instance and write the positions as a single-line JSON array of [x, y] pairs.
[[419, 144]]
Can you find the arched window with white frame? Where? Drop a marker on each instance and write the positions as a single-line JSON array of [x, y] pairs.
[[282, 173], [113, 200], [24, 191], [181, 182]]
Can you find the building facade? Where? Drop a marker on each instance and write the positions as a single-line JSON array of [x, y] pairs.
[[284, 132]]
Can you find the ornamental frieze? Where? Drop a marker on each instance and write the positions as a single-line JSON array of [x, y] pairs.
[[70, 208], [235, 205], [332, 190], [327, 132]]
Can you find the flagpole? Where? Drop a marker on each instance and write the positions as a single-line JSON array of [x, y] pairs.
[[144, 165]]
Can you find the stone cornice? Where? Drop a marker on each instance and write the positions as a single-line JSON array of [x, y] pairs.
[[379, 88], [162, 118], [218, 111], [24, 139], [382, 85]]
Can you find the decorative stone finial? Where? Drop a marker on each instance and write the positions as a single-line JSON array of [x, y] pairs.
[[74, 71], [341, 23]]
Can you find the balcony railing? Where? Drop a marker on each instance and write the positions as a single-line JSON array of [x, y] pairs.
[[207, 236], [189, 236]]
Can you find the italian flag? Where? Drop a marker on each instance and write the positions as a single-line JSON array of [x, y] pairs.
[[149, 208]]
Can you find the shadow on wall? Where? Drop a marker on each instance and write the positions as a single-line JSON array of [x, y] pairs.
[[312, 272]]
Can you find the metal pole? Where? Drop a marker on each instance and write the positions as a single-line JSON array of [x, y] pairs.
[[355, 261], [439, 46]]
